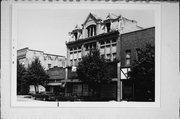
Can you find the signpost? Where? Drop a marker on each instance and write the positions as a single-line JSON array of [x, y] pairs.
[[119, 82], [122, 75]]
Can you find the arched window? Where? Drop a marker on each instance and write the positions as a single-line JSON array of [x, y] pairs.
[[91, 30]]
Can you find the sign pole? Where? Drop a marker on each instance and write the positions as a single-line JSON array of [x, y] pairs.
[[119, 95]]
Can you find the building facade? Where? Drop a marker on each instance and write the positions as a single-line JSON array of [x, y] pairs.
[[117, 38], [26, 56], [130, 44], [99, 33], [65, 81], [56, 84]]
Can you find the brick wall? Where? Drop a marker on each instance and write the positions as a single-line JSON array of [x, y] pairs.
[[133, 40]]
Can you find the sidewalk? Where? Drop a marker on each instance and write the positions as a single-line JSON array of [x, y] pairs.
[[27, 98]]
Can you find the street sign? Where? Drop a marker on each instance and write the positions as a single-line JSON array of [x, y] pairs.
[[124, 72], [74, 69]]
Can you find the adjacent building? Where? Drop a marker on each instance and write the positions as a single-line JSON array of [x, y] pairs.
[[26, 56], [130, 45]]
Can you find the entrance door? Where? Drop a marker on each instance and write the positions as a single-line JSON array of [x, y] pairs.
[[77, 89], [127, 90]]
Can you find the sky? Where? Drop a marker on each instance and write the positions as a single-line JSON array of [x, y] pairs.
[[47, 29]]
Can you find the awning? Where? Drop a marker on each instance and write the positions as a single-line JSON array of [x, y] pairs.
[[55, 84]]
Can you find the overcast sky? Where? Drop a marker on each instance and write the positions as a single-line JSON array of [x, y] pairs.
[[47, 29]]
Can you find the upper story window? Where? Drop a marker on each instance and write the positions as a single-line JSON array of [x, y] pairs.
[[108, 42], [114, 48], [114, 40], [108, 49], [128, 57], [102, 42], [102, 50], [91, 30], [71, 49], [79, 48], [79, 54], [49, 65], [90, 46], [138, 51], [71, 55], [108, 26], [75, 48], [75, 55]]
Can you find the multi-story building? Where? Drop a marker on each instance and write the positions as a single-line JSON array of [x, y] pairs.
[[26, 56], [117, 38], [99, 33], [65, 80]]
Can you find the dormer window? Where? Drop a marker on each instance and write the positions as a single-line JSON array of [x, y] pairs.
[[108, 26], [76, 35], [91, 30]]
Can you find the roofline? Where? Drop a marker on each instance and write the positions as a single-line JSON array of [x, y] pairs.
[[27, 48], [96, 36], [36, 50], [85, 39], [53, 54], [129, 19], [23, 48], [139, 30]]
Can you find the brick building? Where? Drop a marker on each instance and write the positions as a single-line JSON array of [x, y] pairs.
[[129, 45], [133, 41]]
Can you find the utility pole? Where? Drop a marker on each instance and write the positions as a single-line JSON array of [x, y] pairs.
[[119, 96]]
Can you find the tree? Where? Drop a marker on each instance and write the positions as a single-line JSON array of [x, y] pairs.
[[36, 75], [143, 74], [92, 69], [22, 86]]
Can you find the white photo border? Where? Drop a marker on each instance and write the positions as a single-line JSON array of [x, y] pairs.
[[155, 7]]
